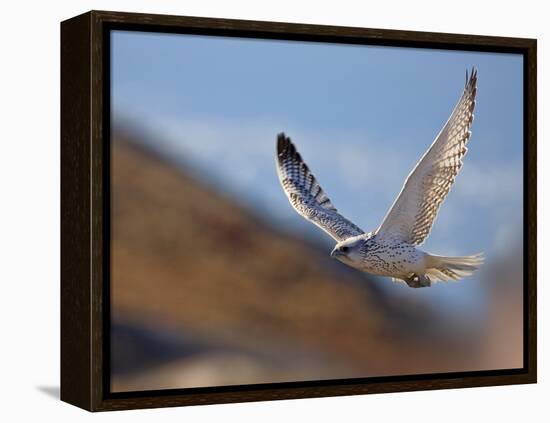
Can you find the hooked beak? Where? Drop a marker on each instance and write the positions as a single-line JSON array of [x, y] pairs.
[[336, 253]]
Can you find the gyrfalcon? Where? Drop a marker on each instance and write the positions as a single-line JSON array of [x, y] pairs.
[[391, 250]]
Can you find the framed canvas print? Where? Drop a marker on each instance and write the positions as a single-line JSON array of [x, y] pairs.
[[259, 210]]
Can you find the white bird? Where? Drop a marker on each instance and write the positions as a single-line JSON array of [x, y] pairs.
[[391, 250]]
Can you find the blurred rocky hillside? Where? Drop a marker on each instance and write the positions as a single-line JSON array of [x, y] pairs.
[[206, 293]]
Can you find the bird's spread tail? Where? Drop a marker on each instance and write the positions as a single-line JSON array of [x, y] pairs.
[[440, 268]]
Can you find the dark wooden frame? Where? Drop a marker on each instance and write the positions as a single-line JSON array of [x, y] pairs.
[[85, 53]]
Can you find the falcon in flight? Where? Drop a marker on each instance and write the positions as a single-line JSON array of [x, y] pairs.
[[391, 250]]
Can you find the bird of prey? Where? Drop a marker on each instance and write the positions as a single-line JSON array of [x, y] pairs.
[[391, 250]]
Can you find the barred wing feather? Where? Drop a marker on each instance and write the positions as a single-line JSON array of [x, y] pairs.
[[306, 195], [412, 215]]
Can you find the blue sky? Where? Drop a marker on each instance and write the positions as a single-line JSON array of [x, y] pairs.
[[361, 116]]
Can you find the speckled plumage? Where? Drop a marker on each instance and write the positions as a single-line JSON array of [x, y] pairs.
[[391, 250]]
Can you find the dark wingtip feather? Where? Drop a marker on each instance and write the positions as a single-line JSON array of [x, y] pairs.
[[283, 142], [471, 78]]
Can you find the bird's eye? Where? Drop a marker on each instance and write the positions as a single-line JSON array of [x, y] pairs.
[[344, 249]]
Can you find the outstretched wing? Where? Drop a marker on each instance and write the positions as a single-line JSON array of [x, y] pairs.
[[411, 217], [305, 194]]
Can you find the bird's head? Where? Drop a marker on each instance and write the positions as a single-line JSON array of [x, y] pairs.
[[349, 251]]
